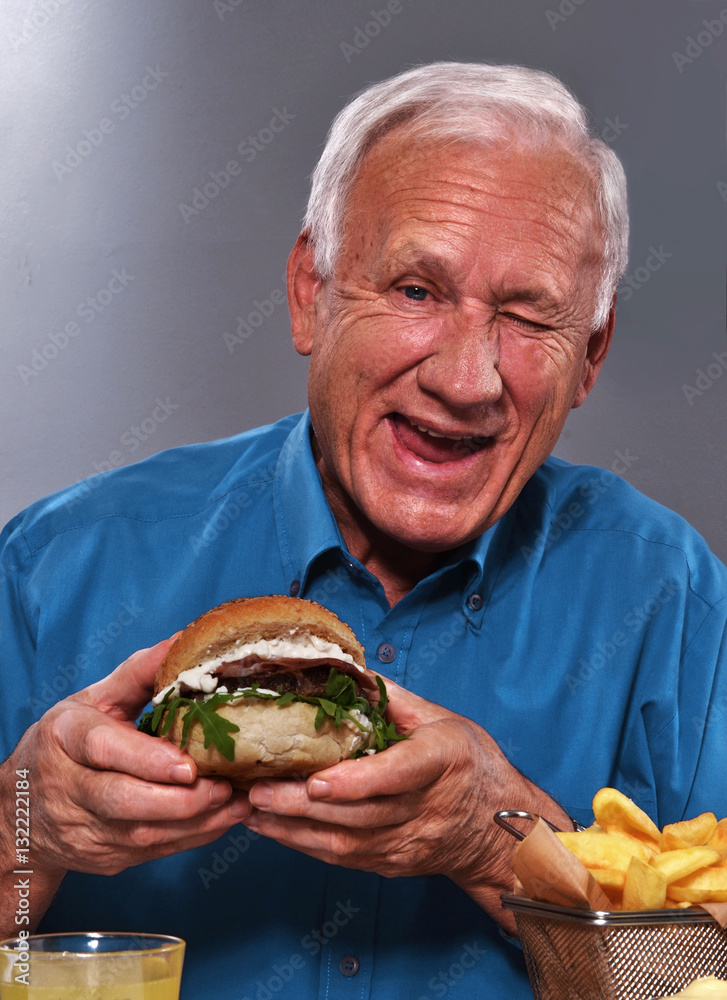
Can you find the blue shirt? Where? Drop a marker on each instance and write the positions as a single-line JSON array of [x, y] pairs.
[[585, 631]]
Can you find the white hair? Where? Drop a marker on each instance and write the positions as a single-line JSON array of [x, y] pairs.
[[468, 102]]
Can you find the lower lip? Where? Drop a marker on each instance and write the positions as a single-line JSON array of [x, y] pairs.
[[426, 451]]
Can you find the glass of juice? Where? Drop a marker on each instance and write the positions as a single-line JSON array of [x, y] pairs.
[[88, 966]]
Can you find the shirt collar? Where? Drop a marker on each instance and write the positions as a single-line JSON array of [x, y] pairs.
[[306, 525]]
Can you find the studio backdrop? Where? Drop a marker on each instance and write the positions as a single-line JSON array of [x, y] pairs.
[[155, 162]]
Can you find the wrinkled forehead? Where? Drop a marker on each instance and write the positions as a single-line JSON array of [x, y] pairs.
[[410, 174]]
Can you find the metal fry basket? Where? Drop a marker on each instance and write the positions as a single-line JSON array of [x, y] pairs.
[[613, 955], [596, 955]]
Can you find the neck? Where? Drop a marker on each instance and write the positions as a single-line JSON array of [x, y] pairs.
[[397, 567]]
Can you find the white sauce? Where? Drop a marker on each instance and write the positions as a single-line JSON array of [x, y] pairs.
[[300, 646], [360, 717]]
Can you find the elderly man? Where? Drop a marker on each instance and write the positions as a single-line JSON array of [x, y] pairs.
[[547, 630]]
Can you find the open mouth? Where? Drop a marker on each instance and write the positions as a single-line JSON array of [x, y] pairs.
[[434, 446]]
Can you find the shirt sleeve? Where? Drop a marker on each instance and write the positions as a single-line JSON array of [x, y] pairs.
[[17, 638], [698, 771]]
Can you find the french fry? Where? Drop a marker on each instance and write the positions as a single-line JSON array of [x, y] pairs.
[[644, 849], [670, 842], [718, 840], [694, 832], [639, 867], [675, 865], [708, 885], [598, 850], [644, 888], [614, 809], [611, 880]]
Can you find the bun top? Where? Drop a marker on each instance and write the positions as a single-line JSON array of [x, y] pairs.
[[249, 619]]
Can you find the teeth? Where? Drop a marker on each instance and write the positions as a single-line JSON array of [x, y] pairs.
[[449, 437]]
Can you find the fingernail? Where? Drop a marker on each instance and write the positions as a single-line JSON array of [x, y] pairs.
[[239, 807], [219, 793], [181, 773], [261, 795], [319, 789]]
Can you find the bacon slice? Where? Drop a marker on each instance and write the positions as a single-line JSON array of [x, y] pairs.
[[252, 666]]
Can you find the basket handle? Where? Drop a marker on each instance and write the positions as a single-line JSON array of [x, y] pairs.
[[502, 817]]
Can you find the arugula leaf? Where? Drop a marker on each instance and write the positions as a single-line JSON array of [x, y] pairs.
[[338, 704]]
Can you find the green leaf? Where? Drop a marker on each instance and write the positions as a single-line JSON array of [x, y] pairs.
[[340, 701]]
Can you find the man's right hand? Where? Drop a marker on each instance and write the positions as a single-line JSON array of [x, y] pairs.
[[104, 796]]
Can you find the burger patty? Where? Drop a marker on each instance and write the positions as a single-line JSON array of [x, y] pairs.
[[310, 682]]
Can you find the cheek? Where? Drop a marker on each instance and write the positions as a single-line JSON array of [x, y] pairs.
[[538, 376]]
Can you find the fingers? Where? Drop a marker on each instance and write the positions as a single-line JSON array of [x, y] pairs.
[[113, 796], [404, 767], [409, 711], [125, 691], [108, 847], [290, 798], [371, 792], [350, 848], [98, 741]]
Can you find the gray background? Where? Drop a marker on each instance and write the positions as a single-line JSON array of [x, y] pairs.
[[72, 215]]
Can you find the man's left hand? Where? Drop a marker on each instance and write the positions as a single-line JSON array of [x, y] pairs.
[[424, 806]]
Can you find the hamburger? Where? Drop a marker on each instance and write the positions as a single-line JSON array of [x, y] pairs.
[[264, 687]]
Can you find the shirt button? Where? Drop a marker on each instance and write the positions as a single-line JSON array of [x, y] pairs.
[[475, 602], [295, 588], [349, 965], [386, 652]]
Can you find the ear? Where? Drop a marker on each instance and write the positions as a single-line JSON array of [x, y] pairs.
[[596, 351], [304, 285]]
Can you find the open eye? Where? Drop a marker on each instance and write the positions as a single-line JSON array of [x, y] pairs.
[[415, 292]]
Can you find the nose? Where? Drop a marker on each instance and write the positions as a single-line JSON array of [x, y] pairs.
[[462, 368]]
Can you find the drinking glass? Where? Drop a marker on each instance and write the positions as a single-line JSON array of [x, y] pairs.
[[88, 966]]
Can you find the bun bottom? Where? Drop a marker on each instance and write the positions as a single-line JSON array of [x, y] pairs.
[[273, 742]]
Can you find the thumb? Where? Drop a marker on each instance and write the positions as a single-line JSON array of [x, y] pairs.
[[129, 687], [407, 710]]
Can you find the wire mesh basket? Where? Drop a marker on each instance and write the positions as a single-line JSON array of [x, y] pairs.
[[576, 954], [594, 955]]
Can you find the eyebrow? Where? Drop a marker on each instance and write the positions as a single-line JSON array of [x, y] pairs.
[[438, 265], [410, 255]]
